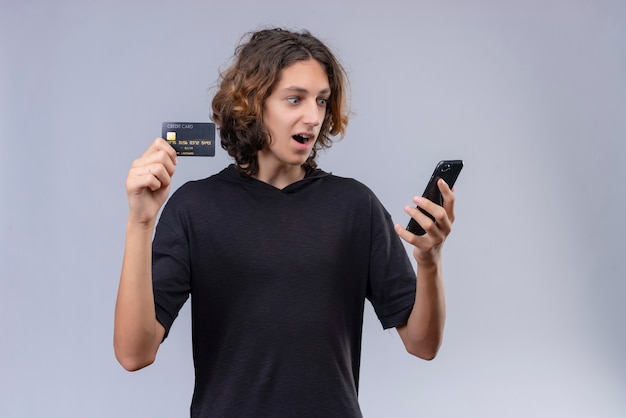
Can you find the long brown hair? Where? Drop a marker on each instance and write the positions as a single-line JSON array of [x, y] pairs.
[[246, 84]]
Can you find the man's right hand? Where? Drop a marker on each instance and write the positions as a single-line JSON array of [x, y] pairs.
[[148, 181]]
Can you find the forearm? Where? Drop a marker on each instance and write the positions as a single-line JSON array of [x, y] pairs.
[[423, 332], [136, 334]]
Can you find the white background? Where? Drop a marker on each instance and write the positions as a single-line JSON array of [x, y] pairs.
[[531, 94]]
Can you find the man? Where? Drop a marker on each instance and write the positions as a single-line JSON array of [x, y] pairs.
[[277, 255]]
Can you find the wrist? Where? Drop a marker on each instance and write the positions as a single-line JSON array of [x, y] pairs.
[[430, 260], [429, 267], [140, 225]]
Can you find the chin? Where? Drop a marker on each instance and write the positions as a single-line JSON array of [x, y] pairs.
[[298, 163]]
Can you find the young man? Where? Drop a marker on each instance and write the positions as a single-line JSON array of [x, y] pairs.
[[277, 255]]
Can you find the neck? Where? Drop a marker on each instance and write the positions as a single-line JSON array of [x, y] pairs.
[[280, 177]]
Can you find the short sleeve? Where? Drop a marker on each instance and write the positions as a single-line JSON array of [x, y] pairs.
[[392, 281], [170, 268]]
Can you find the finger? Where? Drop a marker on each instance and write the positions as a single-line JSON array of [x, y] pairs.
[[153, 176], [160, 158], [405, 235], [437, 228], [164, 157], [423, 219], [423, 242], [426, 205], [158, 155], [160, 173], [448, 199], [443, 224], [136, 184], [163, 145], [161, 150]]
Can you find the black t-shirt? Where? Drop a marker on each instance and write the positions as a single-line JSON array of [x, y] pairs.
[[278, 280]]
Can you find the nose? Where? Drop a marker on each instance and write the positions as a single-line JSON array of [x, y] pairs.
[[313, 113]]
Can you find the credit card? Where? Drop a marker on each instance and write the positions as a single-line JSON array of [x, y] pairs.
[[190, 139]]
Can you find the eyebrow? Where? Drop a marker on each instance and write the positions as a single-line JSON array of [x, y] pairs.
[[301, 90]]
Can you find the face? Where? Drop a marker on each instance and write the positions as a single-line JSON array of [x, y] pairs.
[[293, 115]]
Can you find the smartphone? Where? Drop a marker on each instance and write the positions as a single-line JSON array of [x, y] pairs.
[[448, 170]]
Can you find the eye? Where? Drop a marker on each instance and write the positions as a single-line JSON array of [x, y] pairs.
[[322, 101], [293, 100]]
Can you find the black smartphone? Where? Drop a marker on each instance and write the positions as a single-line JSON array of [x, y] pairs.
[[448, 170]]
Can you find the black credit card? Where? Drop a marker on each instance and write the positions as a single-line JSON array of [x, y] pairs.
[[190, 139]]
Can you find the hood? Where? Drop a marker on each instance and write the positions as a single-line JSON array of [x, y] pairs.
[[231, 174]]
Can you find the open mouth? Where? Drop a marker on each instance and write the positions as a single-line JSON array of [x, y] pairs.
[[303, 139]]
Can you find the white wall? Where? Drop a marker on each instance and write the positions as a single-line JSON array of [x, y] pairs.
[[531, 94]]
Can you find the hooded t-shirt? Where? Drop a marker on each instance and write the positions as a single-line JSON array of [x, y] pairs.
[[278, 279]]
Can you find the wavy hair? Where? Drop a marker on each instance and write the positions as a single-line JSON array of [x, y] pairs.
[[246, 84]]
